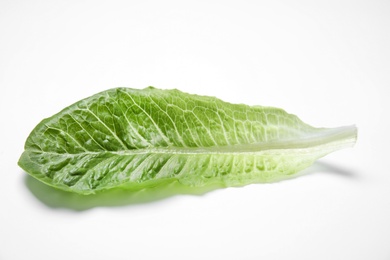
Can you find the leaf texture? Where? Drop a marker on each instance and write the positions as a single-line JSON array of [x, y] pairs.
[[128, 138]]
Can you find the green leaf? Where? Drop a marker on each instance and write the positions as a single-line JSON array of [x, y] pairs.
[[133, 139]]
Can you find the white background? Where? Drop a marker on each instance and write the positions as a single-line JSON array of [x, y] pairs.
[[326, 61]]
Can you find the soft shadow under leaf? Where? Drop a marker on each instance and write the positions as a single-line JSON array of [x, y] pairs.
[[328, 168]]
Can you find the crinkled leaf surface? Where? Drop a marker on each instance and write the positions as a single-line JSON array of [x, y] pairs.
[[133, 139]]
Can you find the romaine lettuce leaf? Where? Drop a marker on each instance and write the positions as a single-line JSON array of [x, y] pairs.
[[128, 138]]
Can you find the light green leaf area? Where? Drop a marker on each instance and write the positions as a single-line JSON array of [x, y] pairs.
[[129, 138]]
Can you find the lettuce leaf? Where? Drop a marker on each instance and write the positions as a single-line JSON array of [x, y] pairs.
[[132, 139]]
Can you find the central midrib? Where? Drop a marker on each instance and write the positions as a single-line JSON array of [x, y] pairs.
[[342, 136]]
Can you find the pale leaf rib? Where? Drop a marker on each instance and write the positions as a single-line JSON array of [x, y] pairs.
[[54, 138], [207, 130], [194, 140], [129, 123], [198, 119], [136, 173], [71, 137], [151, 119], [88, 174], [135, 130], [111, 173], [108, 128], [184, 110], [162, 170], [341, 137], [222, 127], [87, 132], [170, 118]]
